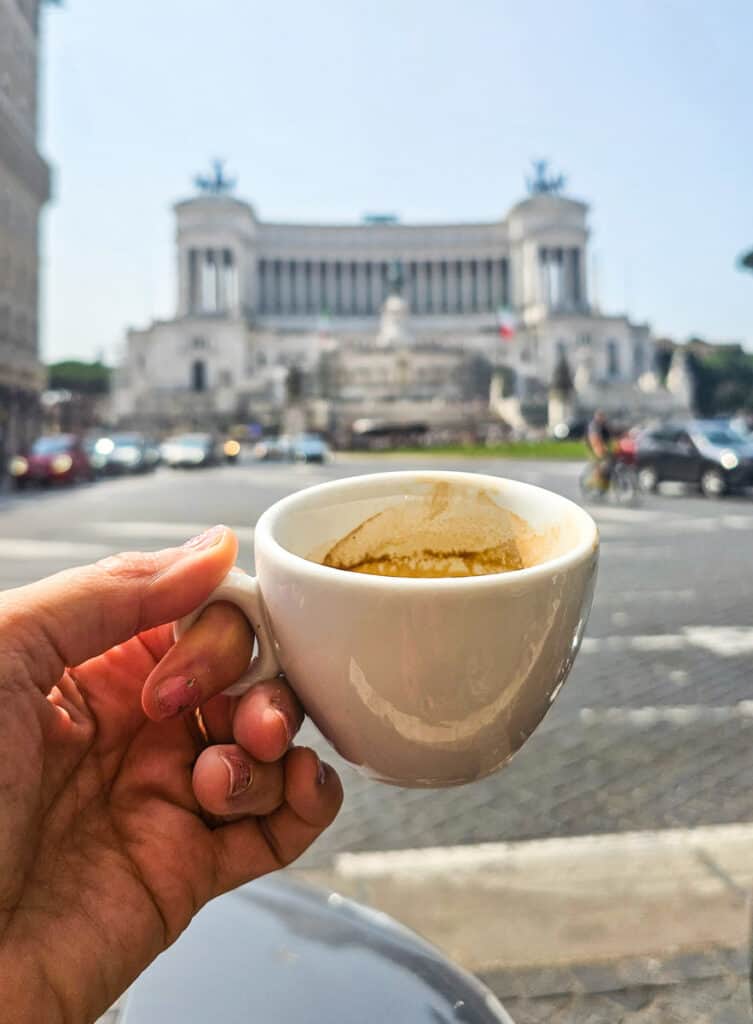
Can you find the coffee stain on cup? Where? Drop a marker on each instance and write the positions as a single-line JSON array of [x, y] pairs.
[[450, 532]]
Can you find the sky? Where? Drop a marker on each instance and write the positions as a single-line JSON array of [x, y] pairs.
[[431, 109]]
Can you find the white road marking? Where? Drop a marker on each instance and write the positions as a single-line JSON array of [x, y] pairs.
[[679, 676], [162, 530], [647, 596], [625, 515], [526, 855], [682, 714], [733, 522], [724, 641], [24, 548]]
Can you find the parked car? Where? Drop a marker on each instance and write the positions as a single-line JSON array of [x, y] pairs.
[[124, 453], [705, 453], [273, 449], [310, 448], [190, 451], [277, 951], [58, 458]]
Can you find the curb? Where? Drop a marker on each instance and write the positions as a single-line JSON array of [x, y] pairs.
[[589, 913]]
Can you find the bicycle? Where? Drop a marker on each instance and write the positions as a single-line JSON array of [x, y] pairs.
[[622, 485]]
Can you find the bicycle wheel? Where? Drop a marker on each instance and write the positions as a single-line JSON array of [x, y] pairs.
[[624, 485], [590, 487]]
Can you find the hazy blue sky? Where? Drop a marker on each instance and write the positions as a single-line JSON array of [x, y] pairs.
[[428, 108]]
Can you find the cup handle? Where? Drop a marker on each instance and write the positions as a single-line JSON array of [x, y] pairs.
[[244, 592]]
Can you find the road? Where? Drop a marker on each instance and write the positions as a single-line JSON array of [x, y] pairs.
[[654, 728]]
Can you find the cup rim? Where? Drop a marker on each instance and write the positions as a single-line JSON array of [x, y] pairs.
[[263, 534]]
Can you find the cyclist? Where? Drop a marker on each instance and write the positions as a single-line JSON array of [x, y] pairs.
[[599, 441]]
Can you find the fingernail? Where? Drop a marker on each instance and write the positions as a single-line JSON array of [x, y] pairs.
[[175, 695], [240, 774], [285, 724], [321, 772], [207, 539]]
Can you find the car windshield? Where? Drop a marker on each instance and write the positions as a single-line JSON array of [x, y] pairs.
[[126, 440], [51, 446], [721, 436]]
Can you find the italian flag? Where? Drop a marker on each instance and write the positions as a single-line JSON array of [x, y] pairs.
[[506, 324]]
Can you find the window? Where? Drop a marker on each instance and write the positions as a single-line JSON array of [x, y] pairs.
[[198, 375], [199, 343], [639, 358], [613, 359]]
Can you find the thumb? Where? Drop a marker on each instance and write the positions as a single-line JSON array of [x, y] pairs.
[[73, 616]]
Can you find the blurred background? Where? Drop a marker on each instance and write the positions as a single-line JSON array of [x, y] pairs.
[[248, 247]]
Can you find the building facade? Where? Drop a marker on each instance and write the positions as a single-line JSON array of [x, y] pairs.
[[257, 298], [24, 188]]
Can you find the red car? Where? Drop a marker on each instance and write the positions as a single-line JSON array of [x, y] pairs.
[[59, 458]]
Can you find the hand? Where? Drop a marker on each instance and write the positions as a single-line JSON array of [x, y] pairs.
[[113, 833]]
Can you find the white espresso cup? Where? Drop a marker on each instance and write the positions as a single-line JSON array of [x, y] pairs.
[[416, 681]]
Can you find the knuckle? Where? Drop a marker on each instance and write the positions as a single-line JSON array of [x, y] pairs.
[[130, 565]]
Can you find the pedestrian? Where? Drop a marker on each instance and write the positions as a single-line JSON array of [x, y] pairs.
[[132, 790]]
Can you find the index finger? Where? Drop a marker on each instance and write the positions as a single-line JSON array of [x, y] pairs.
[[208, 658]]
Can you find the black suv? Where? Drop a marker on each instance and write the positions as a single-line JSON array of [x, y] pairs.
[[706, 453]]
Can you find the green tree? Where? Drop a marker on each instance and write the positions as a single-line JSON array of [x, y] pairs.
[[79, 377]]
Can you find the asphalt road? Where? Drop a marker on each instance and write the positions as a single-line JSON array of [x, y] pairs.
[[654, 727]]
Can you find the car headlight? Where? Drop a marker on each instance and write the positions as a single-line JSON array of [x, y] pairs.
[[231, 447], [104, 446], [18, 466], [729, 460], [61, 464]]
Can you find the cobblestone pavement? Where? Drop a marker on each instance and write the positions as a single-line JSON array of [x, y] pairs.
[[653, 729]]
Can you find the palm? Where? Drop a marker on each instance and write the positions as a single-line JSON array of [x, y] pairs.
[[104, 853], [122, 854]]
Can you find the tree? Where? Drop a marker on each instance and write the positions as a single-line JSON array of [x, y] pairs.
[[79, 378], [723, 379]]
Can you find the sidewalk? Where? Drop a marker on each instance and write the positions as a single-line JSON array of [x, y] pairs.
[[640, 927]]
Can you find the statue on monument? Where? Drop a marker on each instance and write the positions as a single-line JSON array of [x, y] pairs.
[[393, 323], [216, 184], [543, 183]]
